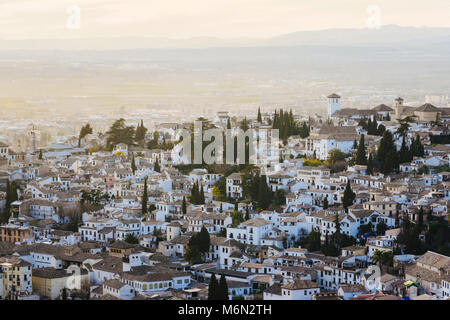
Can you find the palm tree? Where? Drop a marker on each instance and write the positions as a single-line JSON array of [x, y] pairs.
[[383, 258], [377, 258]]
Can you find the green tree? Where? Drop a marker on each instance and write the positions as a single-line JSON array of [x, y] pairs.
[[417, 148], [361, 158], [259, 118], [325, 203], [198, 246], [304, 131], [202, 195], [193, 255], [264, 194], [313, 242], [237, 217], [154, 143], [244, 124], [370, 165], [223, 289], [404, 155], [204, 240], [349, 196], [195, 194], [140, 133], [409, 237], [131, 238], [247, 213], [133, 163], [157, 167], [287, 126], [335, 155], [84, 131], [381, 228], [183, 205], [213, 288], [119, 132], [387, 155], [420, 219], [11, 196], [382, 258], [144, 204], [279, 197]]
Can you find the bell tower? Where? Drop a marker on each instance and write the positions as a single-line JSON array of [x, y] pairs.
[[398, 108], [334, 104]]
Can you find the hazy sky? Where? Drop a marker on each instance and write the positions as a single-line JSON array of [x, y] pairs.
[[44, 19]]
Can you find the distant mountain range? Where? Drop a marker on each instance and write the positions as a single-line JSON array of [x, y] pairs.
[[386, 36]]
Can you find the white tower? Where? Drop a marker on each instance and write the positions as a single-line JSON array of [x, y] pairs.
[[334, 104]]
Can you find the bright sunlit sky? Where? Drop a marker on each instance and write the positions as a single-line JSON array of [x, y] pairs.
[[47, 19]]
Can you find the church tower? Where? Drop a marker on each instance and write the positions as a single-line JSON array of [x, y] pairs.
[[334, 104], [398, 108]]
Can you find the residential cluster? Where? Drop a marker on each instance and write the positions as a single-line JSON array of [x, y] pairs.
[[354, 207]]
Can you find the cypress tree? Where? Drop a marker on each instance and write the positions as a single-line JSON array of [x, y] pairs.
[[370, 165], [223, 288], [304, 131], [381, 130], [133, 163], [420, 219], [387, 154], [213, 288], [419, 150], [204, 240], [247, 213], [349, 196], [369, 126], [326, 245], [140, 132], [194, 194], [144, 198], [259, 119], [338, 225], [361, 152], [264, 193], [157, 168], [85, 130], [183, 205], [202, 195], [374, 127], [325, 203], [8, 193]]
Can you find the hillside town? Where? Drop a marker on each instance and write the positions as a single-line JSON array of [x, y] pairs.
[[353, 206]]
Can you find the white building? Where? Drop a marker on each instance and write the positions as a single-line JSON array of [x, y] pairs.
[[334, 104], [295, 290], [250, 231]]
